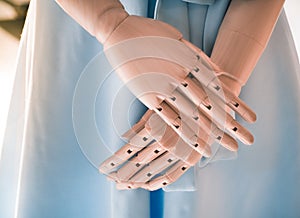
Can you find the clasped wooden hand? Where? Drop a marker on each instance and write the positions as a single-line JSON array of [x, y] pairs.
[[179, 84]]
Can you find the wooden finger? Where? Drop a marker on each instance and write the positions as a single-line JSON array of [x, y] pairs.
[[173, 174], [158, 165], [141, 159]]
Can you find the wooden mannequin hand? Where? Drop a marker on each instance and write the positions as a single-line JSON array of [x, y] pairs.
[[169, 75], [188, 112], [154, 157], [238, 60]]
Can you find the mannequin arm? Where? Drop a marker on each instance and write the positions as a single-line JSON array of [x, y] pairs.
[[100, 18], [242, 38]]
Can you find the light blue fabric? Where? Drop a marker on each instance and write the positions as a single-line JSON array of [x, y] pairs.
[[57, 180], [263, 181], [203, 2]]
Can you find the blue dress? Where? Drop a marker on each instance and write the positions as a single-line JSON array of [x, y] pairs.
[[44, 172]]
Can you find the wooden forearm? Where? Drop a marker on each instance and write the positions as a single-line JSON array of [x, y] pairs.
[[98, 17], [243, 36]]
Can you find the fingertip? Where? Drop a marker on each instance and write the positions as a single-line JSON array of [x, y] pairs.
[[229, 143], [207, 151], [101, 170], [250, 117], [250, 139], [241, 133]]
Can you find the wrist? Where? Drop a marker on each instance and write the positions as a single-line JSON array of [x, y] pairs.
[[232, 84], [108, 22]]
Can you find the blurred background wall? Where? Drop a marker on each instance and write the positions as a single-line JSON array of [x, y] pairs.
[[12, 16]]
